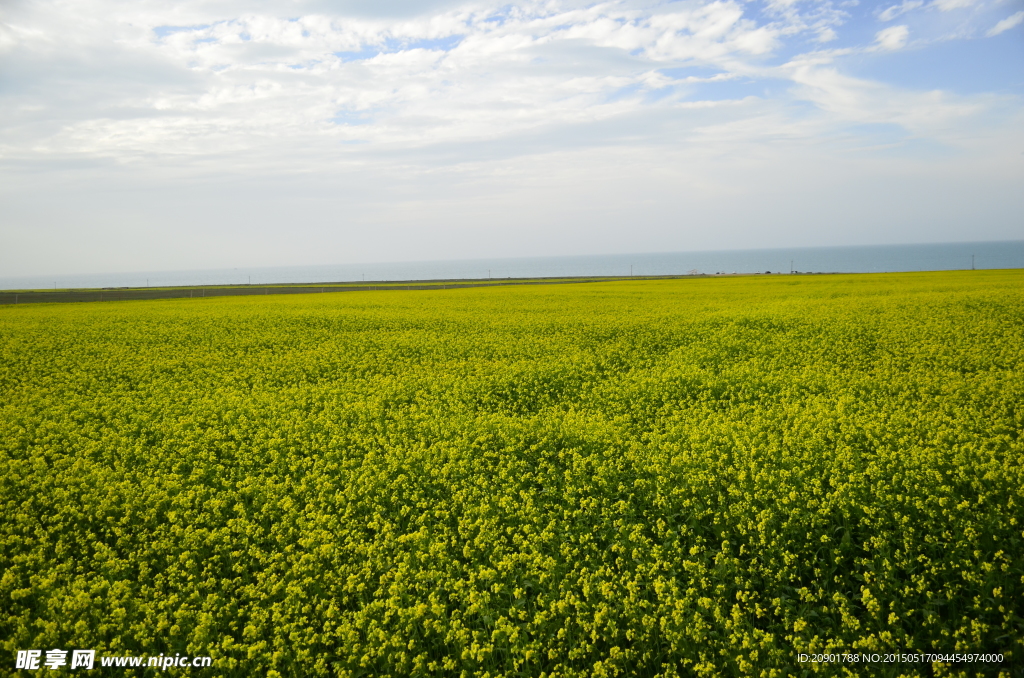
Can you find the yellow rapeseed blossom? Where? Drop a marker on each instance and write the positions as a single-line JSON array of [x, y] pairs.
[[647, 478]]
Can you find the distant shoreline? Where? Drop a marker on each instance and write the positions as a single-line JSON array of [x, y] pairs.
[[37, 296], [850, 259]]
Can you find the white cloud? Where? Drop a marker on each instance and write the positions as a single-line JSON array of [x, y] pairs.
[[465, 73], [1006, 24], [892, 38], [188, 81], [896, 10], [933, 115], [826, 35]]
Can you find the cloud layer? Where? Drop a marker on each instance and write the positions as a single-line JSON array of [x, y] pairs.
[[393, 125]]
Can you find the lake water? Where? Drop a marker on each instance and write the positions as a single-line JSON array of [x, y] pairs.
[[864, 259]]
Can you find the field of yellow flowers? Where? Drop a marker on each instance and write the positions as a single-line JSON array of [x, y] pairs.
[[694, 477]]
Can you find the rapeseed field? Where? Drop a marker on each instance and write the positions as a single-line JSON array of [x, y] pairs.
[[703, 477]]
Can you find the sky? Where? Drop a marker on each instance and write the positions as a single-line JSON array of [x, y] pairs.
[[142, 135]]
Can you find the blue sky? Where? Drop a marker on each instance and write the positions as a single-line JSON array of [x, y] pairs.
[[152, 135]]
